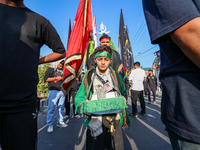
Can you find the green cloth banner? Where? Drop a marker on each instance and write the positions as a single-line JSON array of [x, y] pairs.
[[103, 105]]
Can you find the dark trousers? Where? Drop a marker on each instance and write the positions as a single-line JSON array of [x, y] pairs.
[[18, 131], [153, 89], [67, 101], [106, 140], [134, 96], [146, 91]]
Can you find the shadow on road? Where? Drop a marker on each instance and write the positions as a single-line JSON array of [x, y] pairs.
[[145, 133]]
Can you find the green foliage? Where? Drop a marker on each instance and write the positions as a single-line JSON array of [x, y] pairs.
[[42, 86]]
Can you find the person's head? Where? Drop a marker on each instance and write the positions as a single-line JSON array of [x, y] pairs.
[[137, 65], [82, 74], [60, 65], [103, 57], [16, 1], [105, 40], [150, 72]]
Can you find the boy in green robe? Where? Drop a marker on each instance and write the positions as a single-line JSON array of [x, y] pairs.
[[100, 134]]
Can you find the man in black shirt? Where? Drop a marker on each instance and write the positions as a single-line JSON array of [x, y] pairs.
[[152, 85], [175, 26], [53, 76], [22, 34]]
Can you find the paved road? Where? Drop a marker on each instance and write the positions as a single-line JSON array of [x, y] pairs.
[[145, 133]]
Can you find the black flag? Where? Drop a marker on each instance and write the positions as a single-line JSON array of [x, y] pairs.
[[130, 59], [126, 51], [69, 31]]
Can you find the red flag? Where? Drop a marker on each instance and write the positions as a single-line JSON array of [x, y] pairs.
[[78, 42]]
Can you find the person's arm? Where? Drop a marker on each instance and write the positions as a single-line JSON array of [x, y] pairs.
[[48, 77], [120, 68], [130, 76], [51, 57], [187, 37], [51, 79], [51, 38]]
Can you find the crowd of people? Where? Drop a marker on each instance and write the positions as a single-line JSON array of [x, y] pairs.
[[172, 25]]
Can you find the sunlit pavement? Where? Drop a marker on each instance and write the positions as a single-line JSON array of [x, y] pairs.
[[145, 133]]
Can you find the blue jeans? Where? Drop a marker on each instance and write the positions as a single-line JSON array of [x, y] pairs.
[[179, 143], [55, 98]]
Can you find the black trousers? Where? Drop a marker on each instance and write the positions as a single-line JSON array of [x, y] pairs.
[[145, 91], [18, 131], [134, 96], [67, 101], [106, 140]]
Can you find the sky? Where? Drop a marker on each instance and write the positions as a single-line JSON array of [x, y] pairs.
[[58, 12]]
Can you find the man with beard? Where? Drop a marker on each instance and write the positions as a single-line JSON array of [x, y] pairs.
[[54, 76]]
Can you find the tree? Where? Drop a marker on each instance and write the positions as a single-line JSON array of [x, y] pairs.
[[42, 86]]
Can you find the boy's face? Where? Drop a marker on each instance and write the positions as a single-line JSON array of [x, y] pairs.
[[102, 63]]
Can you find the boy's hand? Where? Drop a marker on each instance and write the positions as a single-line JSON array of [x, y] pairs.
[[125, 100], [117, 116]]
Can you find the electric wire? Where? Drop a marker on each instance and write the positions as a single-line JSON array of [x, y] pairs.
[[139, 39], [138, 31], [146, 51]]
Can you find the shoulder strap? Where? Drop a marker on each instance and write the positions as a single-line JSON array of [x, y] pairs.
[[100, 78], [90, 85], [115, 85], [89, 78], [120, 86]]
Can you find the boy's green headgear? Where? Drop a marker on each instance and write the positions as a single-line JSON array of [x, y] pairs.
[[103, 54]]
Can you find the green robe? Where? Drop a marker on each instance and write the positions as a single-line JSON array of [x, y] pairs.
[[81, 95]]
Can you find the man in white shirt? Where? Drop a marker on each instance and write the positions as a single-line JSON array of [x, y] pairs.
[[136, 79]]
